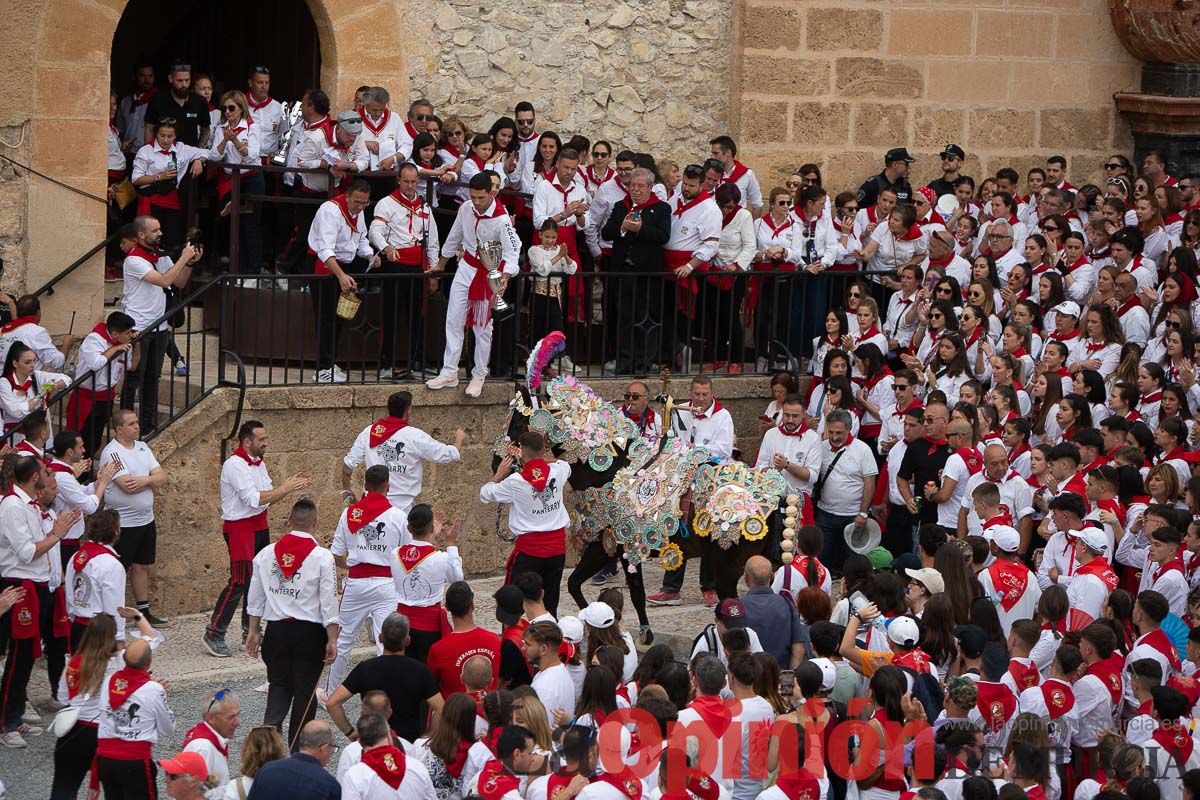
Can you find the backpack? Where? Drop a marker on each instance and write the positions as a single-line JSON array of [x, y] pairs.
[[709, 635], [927, 690]]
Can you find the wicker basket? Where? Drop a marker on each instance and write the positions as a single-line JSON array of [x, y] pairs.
[[348, 305]]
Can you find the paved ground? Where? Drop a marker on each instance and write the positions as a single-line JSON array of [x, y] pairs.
[[194, 674]]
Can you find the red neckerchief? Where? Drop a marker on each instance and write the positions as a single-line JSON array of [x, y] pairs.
[[1069, 268], [388, 762], [413, 133], [202, 731], [914, 403], [913, 233], [257, 106], [770, 223], [566, 193], [1100, 568], [736, 173], [934, 444], [1019, 451], [971, 458], [454, 152], [1153, 397], [124, 683], [366, 510], [537, 473], [941, 262], [681, 207], [801, 566], [384, 429], [1011, 579], [102, 330], [1059, 697], [351, 219], [144, 97], [19, 387], [711, 412], [1176, 454], [290, 552], [18, 322], [644, 421], [1159, 641], [495, 781], [413, 553], [1175, 562], [715, 713], [86, 552], [1128, 306], [728, 216], [630, 207], [479, 162], [1094, 347], [1026, 676], [1003, 518], [1176, 740], [325, 125], [870, 383], [916, 659], [868, 333], [455, 765], [1065, 337], [375, 128], [974, 337], [244, 456], [624, 781], [803, 429], [799, 785], [996, 704], [556, 782], [1132, 415], [849, 441], [873, 213], [591, 175]]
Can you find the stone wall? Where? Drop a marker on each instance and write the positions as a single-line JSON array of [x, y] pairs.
[[647, 74], [1012, 81], [310, 430]]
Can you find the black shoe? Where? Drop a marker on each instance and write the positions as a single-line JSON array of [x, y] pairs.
[[605, 575], [156, 622]]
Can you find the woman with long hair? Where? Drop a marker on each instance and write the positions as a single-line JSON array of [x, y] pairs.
[[1162, 484], [956, 574], [1106, 286], [1100, 349], [1074, 414], [1079, 274], [431, 166], [937, 633], [806, 568], [1170, 204], [23, 388], [596, 702], [1177, 360], [1177, 291], [1154, 232], [766, 300], [648, 667], [1017, 341], [1030, 729], [1175, 405], [935, 320], [505, 148], [886, 691], [1037, 254], [839, 393], [857, 576], [875, 389], [236, 143], [542, 165], [948, 370], [676, 682], [1015, 289], [982, 293], [837, 327], [973, 328], [614, 598], [1027, 313], [529, 712], [836, 362], [263, 745], [1190, 238], [451, 746], [767, 685], [1047, 392], [1052, 610], [478, 156]]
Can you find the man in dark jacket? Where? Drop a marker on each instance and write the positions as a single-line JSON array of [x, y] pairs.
[[638, 229]]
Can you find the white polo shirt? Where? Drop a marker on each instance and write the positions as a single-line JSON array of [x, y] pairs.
[[842, 492]]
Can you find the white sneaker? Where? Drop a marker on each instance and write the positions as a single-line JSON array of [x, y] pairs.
[[30, 730], [568, 366], [760, 364], [31, 716], [322, 698], [12, 739], [335, 375], [442, 382], [475, 387], [386, 374]]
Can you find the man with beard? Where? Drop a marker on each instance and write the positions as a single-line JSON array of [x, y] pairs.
[[188, 109]]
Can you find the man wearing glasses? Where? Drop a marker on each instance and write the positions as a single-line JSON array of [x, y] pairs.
[[1000, 243], [185, 775], [188, 109], [1189, 187], [210, 737], [527, 136], [923, 463], [607, 195], [419, 114], [637, 408], [952, 160]]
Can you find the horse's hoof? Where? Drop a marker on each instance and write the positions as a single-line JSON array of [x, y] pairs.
[[646, 635]]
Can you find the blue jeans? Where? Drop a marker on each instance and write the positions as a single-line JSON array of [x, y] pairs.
[[833, 554]]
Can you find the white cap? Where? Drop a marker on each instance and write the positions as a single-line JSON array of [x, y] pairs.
[[598, 615], [828, 673], [904, 631], [1006, 537], [1094, 538], [572, 629], [1068, 307], [928, 577]]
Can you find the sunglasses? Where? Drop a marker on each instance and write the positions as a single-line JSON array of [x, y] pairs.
[[600, 154], [456, 133], [855, 296], [633, 395], [1112, 166], [259, 68], [422, 117], [900, 387], [944, 290], [1173, 325], [231, 107], [937, 316], [217, 698], [784, 203], [1049, 228]]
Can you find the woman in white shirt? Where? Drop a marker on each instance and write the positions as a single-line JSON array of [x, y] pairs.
[[947, 370], [1101, 348], [1150, 222], [24, 389], [263, 745], [724, 286], [236, 142], [896, 244], [477, 162], [783, 383]]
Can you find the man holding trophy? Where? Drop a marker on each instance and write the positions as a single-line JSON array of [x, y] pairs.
[[486, 245]]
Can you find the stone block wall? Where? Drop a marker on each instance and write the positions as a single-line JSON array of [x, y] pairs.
[[1011, 81], [310, 431]]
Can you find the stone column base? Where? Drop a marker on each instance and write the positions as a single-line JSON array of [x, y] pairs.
[[1169, 124]]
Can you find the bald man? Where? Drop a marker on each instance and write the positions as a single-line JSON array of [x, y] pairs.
[[133, 715], [773, 618], [964, 461], [1016, 497], [373, 702], [477, 677]]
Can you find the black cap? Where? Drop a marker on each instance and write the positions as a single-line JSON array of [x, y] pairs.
[[898, 154], [906, 561], [971, 640], [510, 604], [952, 150]]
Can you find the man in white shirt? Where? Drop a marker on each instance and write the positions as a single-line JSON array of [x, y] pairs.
[[482, 220], [131, 110], [695, 239], [901, 321], [403, 231], [1135, 321], [846, 484], [553, 683], [27, 328], [1015, 498], [266, 112], [147, 274], [1097, 690], [724, 150], [69, 456], [131, 494], [246, 494], [133, 716], [314, 121], [99, 368], [95, 577], [338, 240], [383, 134], [1007, 581], [27, 561], [753, 717], [294, 590], [421, 572], [401, 447], [537, 515], [793, 448], [385, 771], [210, 738], [420, 112], [336, 146]]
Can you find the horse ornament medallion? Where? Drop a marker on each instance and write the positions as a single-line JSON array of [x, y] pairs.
[[581, 425], [734, 501]]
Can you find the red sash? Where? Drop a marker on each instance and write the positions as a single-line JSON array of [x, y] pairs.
[[1011, 579], [240, 534], [1058, 696], [1176, 740], [1025, 675], [686, 288], [388, 762], [1109, 672], [557, 782], [624, 781], [799, 785], [290, 553], [26, 616], [366, 510], [715, 713], [124, 683], [384, 429], [542, 544], [495, 781], [86, 552], [479, 293], [202, 731], [996, 704]]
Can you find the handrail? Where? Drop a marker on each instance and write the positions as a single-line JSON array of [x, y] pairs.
[[48, 288]]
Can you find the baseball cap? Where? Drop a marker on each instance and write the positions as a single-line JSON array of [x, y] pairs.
[[510, 604], [732, 613], [928, 577], [1068, 307], [828, 673], [1005, 537], [904, 631], [572, 629], [971, 640], [963, 691], [598, 615], [186, 763], [952, 150], [350, 122], [898, 154], [1094, 538], [881, 558], [904, 562]]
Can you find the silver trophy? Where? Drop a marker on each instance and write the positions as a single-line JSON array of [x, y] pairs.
[[491, 254]]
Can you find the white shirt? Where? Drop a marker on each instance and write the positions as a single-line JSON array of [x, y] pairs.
[[842, 492], [71, 494], [315, 152], [135, 509], [89, 704], [37, 339], [895, 325], [331, 235], [1030, 593], [361, 783], [14, 402], [803, 451], [714, 432], [1063, 727], [151, 159], [218, 764], [20, 533], [754, 718], [421, 576], [352, 754], [531, 511], [737, 245], [309, 595], [400, 226], [116, 156], [695, 229], [549, 199], [387, 132], [99, 588], [1109, 356], [91, 359], [1093, 708], [142, 300], [404, 453], [747, 184], [374, 542], [271, 123], [1087, 595], [494, 225], [555, 689], [1135, 323], [153, 719], [1016, 498], [956, 468], [247, 135], [893, 252], [242, 488]]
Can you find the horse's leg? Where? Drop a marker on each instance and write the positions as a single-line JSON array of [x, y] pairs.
[[591, 560], [637, 591]]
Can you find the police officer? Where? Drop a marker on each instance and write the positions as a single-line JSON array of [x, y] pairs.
[[894, 176]]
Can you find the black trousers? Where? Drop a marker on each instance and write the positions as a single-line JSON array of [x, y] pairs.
[[545, 315], [592, 560], [721, 322], [401, 311], [236, 591], [419, 643], [551, 570], [72, 760], [673, 580], [898, 533], [95, 427], [128, 780], [250, 261], [637, 317], [296, 259], [294, 653], [142, 382], [18, 666], [325, 293]]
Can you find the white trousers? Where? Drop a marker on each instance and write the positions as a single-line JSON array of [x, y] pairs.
[[456, 320], [361, 598]]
